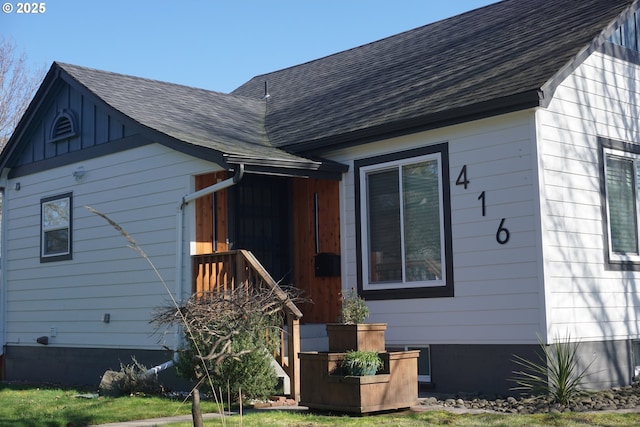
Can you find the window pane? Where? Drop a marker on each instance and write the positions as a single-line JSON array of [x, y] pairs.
[[56, 242], [424, 361], [421, 209], [384, 227], [622, 212], [55, 214], [636, 354]]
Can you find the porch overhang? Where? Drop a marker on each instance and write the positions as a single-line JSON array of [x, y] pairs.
[[306, 168]]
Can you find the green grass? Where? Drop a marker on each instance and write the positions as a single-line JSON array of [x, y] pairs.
[[52, 407], [431, 418], [23, 406]]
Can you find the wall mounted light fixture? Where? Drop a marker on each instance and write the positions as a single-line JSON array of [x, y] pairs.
[[79, 173]]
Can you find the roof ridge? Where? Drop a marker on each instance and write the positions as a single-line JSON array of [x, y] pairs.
[[445, 71], [374, 42], [65, 66]]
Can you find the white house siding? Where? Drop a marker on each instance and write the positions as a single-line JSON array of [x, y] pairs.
[[141, 190], [585, 299], [497, 287]]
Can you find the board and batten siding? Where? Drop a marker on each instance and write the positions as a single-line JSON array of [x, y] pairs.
[[498, 290], [586, 300], [94, 126], [141, 190]]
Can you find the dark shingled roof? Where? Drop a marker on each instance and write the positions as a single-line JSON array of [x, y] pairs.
[[233, 125], [502, 57]]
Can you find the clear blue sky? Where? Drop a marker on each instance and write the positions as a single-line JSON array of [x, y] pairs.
[[212, 44]]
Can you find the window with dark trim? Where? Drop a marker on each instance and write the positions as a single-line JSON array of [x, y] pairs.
[[404, 231], [620, 182], [635, 350], [55, 228]]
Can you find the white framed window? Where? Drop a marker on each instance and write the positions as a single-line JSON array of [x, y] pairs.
[[424, 363], [55, 223], [424, 360], [635, 352], [404, 240], [621, 184]]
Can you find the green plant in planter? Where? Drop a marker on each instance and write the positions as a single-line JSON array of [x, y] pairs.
[[360, 363], [354, 309]]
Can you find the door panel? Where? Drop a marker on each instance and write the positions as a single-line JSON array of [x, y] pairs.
[[262, 205]]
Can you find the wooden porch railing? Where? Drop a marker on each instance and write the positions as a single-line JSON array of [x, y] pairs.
[[225, 271]]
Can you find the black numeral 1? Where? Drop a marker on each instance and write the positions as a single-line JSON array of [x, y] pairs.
[[484, 207]]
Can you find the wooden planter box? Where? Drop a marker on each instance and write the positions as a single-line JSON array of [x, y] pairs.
[[362, 336], [396, 387]]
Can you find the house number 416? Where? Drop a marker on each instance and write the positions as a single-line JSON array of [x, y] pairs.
[[503, 234]]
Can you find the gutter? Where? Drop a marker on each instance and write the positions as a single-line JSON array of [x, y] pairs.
[[215, 187], [517, 102]]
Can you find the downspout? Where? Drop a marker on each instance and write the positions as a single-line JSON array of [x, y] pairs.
[[4, 182], [180, 220]]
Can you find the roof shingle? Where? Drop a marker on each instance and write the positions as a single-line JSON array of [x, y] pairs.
[[502, 57], [505, 50]]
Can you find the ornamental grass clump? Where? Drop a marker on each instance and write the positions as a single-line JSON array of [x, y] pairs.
[[557, 374], [360, 363]]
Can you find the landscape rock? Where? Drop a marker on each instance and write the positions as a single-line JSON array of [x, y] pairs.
[[615, 399]]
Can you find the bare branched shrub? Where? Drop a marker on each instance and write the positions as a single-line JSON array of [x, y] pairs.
[[229, 328]]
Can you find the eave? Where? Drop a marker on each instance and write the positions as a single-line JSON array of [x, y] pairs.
[[518, 102], [306, 168]]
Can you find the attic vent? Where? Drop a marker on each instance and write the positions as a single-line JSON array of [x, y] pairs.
[[63, 127]]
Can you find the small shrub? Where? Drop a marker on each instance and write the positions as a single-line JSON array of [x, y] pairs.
[[251, 372], [131, 379], [354, 309], [557, 373], [248, 367]]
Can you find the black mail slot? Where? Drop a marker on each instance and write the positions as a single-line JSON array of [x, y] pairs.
[[327, 264]]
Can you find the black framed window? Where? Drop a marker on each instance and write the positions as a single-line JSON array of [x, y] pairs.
[[55, 226], [620, 185], [404, 233]]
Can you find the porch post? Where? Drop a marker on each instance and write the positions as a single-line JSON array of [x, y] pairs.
[[293, 328]]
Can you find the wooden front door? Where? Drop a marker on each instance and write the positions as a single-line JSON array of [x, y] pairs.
[[316, 225]]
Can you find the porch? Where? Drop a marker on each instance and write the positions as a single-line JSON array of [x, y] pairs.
[[271, 230], [226, 271]]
